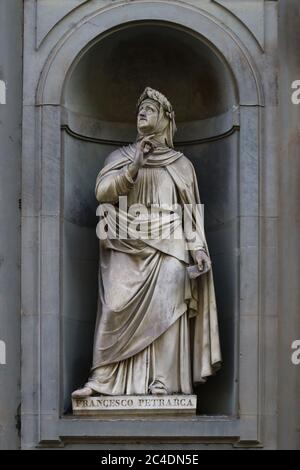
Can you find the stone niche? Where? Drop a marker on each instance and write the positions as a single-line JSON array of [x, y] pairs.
[[83, 74], [98, 116]]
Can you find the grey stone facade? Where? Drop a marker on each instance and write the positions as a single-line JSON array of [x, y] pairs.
[[232, 137], [11, 18], [289, 229]]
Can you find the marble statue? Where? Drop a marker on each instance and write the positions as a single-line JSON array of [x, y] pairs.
[[157, 327]]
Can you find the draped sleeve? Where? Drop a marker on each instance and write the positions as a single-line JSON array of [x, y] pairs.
[[114, 180]]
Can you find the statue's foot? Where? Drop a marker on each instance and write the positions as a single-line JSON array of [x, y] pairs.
[[158, 388], [82, 393]]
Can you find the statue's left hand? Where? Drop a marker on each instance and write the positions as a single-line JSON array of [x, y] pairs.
[[203, 261]]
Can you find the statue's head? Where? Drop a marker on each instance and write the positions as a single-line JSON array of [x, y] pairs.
[[156, 116]]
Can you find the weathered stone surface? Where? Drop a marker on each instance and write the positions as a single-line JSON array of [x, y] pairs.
[[10, 172], [289, 229], [250, 13], [50, 12]]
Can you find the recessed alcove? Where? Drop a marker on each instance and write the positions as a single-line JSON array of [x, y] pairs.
[[99, 111]]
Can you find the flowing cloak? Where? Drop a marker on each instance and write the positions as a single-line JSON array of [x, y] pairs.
[[132, 314]]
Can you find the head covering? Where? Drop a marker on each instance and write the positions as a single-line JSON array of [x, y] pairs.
[[166, 119]]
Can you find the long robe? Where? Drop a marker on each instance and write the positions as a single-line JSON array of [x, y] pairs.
[[155, 326]]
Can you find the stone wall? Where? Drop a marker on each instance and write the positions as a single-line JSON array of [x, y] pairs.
[[269, 311], [289, 292], [11, 19]]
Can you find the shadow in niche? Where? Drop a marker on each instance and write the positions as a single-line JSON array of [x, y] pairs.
[[99, 103], [216, 166]]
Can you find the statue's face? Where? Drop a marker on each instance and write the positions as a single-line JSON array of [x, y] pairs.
[[147, 117]]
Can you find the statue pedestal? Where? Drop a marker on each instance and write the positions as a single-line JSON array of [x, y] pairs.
[[135, 405]]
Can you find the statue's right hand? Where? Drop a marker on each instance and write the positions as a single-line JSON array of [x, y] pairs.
[[143, 150]]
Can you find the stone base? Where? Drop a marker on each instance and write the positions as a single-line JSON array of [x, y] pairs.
[[135, 405]]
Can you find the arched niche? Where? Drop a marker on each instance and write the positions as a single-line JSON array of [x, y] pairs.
[[99, 114], [60, 160]]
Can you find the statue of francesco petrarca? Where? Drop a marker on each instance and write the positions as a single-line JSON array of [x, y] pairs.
[[157, 328]]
